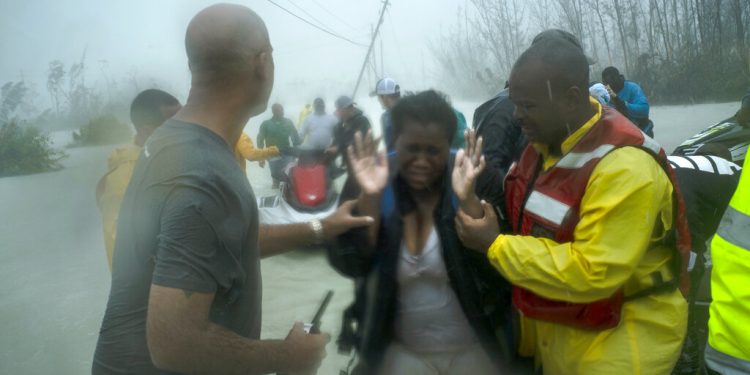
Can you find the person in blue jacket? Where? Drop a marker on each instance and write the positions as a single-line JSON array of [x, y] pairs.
[[628, 98]]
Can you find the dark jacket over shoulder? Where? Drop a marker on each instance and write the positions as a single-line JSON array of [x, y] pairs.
[[345, 130], [484, 296], [503, 144]]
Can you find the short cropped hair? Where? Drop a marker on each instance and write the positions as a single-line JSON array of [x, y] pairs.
[[426, 107], [566, 64], [145, 111]]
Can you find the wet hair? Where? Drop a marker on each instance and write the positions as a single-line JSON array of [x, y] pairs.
[[426, 107], [565, 64], [145, 111]]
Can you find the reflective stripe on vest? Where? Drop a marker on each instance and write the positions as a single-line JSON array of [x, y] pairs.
[[575, 160], [546, 207], [651, 144], [735, 228]]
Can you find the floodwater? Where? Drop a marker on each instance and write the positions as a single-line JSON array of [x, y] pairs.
[[54, 279]]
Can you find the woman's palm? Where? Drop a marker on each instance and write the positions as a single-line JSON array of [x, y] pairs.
[[369, 166]]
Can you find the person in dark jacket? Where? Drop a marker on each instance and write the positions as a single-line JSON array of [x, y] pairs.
[[351, 121], [503, 144], [424, 303]]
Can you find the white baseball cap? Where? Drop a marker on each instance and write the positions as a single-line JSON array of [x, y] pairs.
[[386, 86]]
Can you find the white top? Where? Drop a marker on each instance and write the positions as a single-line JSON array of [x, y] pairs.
[[317, 130], [429, 317]]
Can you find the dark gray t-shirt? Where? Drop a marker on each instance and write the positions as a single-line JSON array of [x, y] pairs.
[[188, 221]]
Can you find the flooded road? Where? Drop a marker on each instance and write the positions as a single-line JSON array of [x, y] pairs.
[[54, 278]]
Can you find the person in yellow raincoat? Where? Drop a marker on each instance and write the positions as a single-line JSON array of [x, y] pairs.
[[149, 109], [306, 111], [245, 150], [617, 243]]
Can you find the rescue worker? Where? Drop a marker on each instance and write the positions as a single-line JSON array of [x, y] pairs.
[[149, 110], [707, 183], [245, 150], [728, 350], [593, 209]]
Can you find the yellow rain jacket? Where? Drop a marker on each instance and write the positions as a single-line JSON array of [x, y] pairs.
[[729, 325], [615, 246], [246, 150], [111, 190], [306, 111]]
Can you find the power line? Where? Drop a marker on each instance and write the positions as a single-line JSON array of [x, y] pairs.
[[316, 26], [394, 36], [335, 16], [320, 23]]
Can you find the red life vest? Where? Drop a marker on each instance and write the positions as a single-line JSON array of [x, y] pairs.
[[546, 204]]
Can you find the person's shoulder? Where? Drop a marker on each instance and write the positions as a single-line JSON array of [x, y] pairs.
[[632, 85], [636, 164], [186, 146]]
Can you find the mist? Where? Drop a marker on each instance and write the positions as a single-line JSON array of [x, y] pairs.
[[55, 280]]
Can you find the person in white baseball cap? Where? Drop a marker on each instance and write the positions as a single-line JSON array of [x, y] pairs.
[[388, 92]]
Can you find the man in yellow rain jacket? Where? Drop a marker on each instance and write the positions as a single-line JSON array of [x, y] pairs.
[[149, 109], [592, 210], [245, 150], [728, 350]]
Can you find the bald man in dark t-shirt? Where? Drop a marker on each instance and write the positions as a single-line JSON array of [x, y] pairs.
[[185, 226], [186, 288]]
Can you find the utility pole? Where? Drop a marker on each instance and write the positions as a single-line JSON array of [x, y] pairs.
[[382, 59], [369, 50]]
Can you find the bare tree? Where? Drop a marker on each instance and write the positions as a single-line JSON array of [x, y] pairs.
[[55, 78]]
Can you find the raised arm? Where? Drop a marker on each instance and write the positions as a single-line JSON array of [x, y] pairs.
[[370, 169], [468, 166]]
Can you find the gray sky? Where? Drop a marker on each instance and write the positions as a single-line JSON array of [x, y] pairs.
[[145, 37]]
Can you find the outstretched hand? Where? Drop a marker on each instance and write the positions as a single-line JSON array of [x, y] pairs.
[[342, 220], [478, 234], [368, 165]]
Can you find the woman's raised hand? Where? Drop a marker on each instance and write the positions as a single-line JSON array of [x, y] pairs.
[[369, 166]]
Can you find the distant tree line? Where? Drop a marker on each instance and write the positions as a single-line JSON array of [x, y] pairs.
[[678, 50], [99, 112]]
